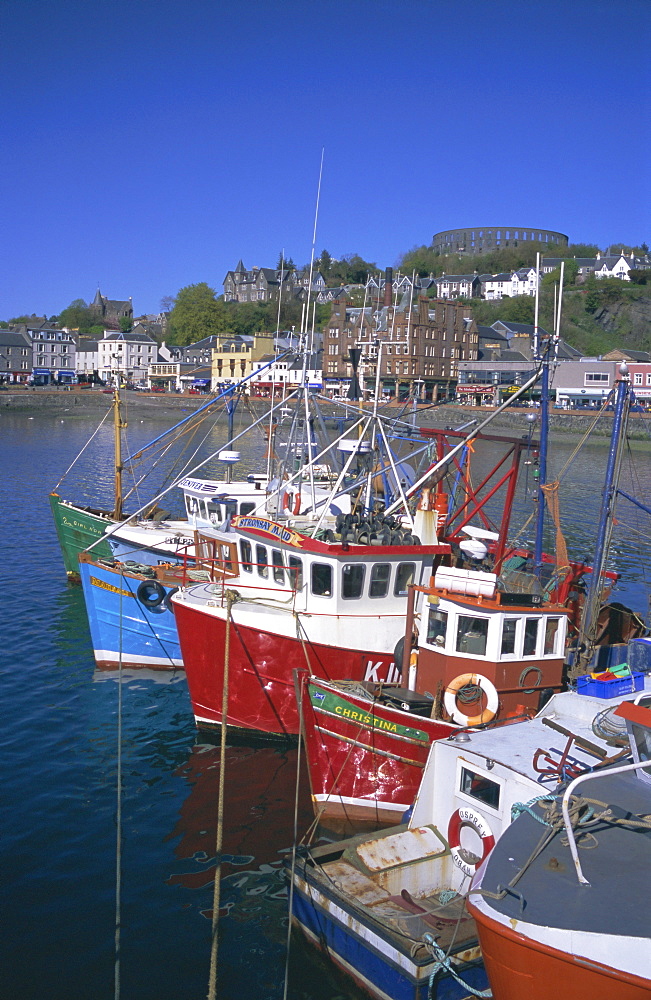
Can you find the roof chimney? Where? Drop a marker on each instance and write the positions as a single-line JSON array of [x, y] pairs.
[[388, 286]]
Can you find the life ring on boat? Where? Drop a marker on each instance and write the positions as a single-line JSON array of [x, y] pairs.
[[287, 502], [468, 817], [151, 594], [450, 699]]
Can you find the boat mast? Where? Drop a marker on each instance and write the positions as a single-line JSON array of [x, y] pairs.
[[542, 354], [118, 426], [586, 639]]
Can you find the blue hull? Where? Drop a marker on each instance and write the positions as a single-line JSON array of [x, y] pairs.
[[123, 630], [377, 965]]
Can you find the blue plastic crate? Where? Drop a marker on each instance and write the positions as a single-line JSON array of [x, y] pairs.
[[610, 689]]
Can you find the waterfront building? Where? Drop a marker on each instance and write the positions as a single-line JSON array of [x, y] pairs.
[[126, 356], [15, 357], [417, 345]]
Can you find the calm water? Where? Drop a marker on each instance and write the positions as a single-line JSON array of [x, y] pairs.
[[59, 752]]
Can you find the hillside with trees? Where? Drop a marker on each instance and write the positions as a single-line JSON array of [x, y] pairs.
[[598, 314]]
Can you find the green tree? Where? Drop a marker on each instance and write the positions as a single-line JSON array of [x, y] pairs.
[[78, 316], [571, 271], [423, 260], [126, 324], [196, 314], [324, 264]]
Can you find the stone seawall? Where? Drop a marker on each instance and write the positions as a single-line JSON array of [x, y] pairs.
[[155, 406]]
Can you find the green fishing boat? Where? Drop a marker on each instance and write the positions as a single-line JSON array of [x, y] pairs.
[[78, 526]]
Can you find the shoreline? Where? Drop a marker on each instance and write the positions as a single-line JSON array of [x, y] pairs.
[[83, 402]]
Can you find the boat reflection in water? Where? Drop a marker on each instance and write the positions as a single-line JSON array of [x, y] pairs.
[[260, 789]]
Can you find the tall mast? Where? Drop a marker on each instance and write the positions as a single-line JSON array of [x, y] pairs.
[[542, 353], [604, 532], [118, 425]]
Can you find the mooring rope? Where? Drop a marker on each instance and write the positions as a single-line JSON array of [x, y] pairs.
[[301, 737], [118, 827], [231, 598]]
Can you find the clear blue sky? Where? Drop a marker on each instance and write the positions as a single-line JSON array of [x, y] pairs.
[[149, 144]]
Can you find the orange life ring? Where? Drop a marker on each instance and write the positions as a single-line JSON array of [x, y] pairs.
[[468, 817], [450, 699], [287, 502]]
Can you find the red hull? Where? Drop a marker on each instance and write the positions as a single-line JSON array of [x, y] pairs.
[[365, 759], [521, 969], [261, 694]]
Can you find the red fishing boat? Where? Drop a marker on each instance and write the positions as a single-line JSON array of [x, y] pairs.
[[330, 595], [547, 913]]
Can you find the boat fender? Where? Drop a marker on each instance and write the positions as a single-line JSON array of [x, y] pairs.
[[151, 594], [167, 600], [398, 651], [468, 817], [450, 699]]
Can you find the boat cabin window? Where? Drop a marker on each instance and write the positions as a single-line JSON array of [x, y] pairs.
[[231, 510], [192, 506], [380, 576], [437, 626], [246, 508], [551, 636], [295, 570], [479, 787], [278, 567], [213, 512], [472, 634], [530, 636], [321, 579], [245, 555], [509, 626], [404, 576], [352, 580], [261, 560]]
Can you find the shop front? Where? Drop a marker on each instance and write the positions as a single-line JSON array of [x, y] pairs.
[[476, 395]]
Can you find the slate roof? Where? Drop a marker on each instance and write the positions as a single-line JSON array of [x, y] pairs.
[[488, 333], [131, 338], [519, 327], [513, 356], [567, 352], [12, 338], [455, 277]]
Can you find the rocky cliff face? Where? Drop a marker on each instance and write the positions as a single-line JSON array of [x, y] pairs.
[[630, 319]]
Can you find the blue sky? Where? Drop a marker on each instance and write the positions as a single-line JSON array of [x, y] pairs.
[[149, 144]]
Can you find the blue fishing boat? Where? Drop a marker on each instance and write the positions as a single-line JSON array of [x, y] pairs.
[[129, 613]]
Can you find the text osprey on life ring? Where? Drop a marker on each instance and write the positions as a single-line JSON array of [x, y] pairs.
[[468, 817], [450, 699]]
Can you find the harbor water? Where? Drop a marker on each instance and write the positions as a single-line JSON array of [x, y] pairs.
[[60, 739]]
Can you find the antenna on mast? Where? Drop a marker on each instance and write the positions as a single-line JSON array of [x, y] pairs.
[[316, 219]]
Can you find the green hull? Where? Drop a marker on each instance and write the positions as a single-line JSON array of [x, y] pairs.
[[77, 528]]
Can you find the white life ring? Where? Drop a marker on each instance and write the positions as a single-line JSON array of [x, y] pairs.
[[468, 817], [450, 699]]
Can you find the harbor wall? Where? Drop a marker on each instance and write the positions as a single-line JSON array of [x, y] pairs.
[[84, 401]]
